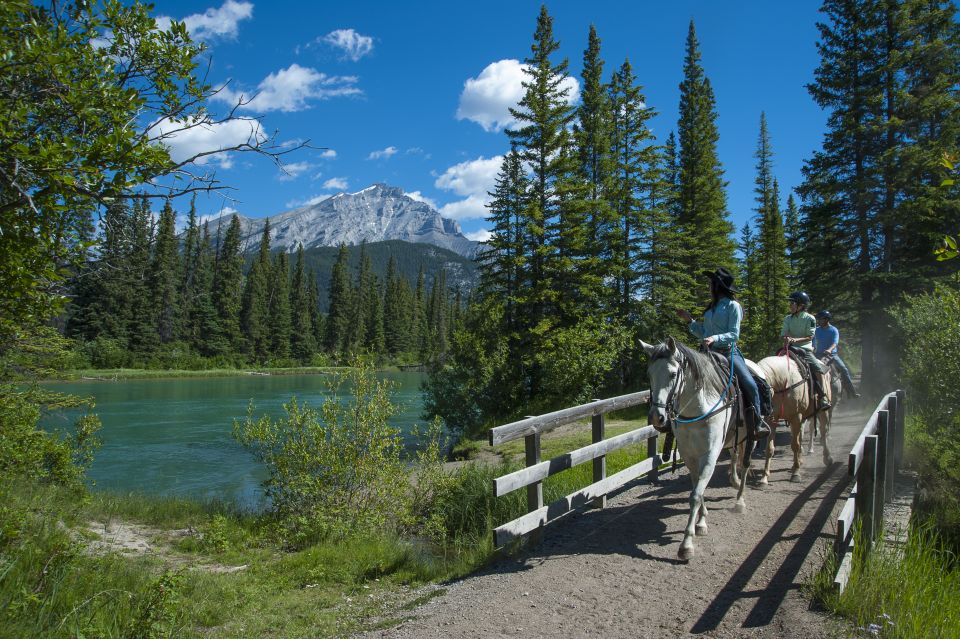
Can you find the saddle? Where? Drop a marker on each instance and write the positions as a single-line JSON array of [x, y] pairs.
[[722, 362], [802, 365]]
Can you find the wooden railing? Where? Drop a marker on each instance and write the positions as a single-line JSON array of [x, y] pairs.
[[537, 470], [874, 460]]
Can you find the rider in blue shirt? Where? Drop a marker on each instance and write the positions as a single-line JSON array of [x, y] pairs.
[[826, 343], [719, 331]]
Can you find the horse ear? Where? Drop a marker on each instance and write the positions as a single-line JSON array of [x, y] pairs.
[[647, 348], [672, 344]]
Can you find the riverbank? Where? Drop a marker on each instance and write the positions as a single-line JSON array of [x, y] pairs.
[[117, 374]]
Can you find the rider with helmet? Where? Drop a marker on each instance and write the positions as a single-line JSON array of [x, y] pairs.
[[719, 331], [826, 343], [798, 330]]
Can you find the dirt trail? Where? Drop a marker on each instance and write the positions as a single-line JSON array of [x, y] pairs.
[[614, 572]]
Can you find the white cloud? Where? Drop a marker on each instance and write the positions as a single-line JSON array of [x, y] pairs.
[[336, 184], [353, 45], [472, 208], [185, 141], [328, 154], [473, 181], [481, 235], [214, 23], [291, 89], [420, 197], [293, 170], [475, 177], [487, 99], [385, 154]]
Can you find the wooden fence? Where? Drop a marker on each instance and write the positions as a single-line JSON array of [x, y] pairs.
[[538, 515], [873, 463]]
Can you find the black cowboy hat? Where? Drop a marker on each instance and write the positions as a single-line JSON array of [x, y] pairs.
[[723, 278]]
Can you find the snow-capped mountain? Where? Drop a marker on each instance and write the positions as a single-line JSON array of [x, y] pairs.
[[377, 213]]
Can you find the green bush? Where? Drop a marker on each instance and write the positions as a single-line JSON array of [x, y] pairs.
[[930, 368], [335, 472]]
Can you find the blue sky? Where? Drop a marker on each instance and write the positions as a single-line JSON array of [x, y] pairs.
[[415, 94]]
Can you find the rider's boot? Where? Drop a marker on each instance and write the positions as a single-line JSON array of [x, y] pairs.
[[848, 387], [822, 402], [756, 427]]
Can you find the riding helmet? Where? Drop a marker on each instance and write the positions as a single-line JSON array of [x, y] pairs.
[[800, 298], [824, 315]]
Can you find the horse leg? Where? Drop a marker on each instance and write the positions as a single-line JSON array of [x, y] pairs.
[[826, 417], [686, 546], [701, 528], [736, 453], [771, 449], [813, 434], [796, 432]]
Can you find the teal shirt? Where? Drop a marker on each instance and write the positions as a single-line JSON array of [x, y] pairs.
[[722, 323], [801, 324]]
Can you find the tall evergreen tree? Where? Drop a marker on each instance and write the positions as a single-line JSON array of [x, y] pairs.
[[702, 197], [751, 331], [792, 234], [280, 314], [340, 313], [206, 336], [303, 340], [164, 273], [397, 312], [255, 304], [770, 284], [228, 287], [187, 275], [142, 328]]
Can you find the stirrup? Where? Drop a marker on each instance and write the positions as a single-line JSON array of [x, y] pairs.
[[760, 430]]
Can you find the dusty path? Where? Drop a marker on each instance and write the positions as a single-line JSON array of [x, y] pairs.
[[613, 573]]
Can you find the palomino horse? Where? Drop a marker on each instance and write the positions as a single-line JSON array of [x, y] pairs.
[[793, 402], [836, 391], [687, 392]]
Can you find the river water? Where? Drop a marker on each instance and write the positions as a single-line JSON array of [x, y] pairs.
[[173, 437]]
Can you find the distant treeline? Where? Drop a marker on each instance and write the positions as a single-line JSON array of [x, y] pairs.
[[151, 298]]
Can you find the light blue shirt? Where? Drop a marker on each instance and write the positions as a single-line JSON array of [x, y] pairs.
[[722, 323]]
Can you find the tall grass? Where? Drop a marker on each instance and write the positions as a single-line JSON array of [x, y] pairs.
[[906, 590]]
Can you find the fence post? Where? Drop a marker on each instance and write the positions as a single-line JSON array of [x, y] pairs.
[[652, 453], [534, 490], [867, 490], [893, 408], [600, 463], [901, 427], [883, 441]]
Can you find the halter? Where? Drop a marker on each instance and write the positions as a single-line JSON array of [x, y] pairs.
[[672, 406]]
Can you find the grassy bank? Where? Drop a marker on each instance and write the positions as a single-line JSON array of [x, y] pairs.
[[906, 590]]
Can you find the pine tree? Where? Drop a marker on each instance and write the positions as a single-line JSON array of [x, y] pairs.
[[770, 284], [751, 332], [206, 335], [794, 239], [702, 199], [280, 314], [255, 304], [340, 314], [397, 312], [164, 272], [421, 328], [374, 338], [541, 138], [187, 275], [228, 287], [302, 338], [141, 328]]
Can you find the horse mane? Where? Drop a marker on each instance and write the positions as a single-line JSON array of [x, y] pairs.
[[700, 364]]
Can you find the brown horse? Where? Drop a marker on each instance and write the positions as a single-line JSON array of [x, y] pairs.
[[794, 403]]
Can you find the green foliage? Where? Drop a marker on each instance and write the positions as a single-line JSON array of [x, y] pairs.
[[907, 592], [930, 369], [335, 472]]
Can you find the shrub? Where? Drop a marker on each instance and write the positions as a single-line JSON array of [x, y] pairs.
[[335, 472]]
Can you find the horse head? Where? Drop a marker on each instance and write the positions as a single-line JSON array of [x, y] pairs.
[[665, 370]]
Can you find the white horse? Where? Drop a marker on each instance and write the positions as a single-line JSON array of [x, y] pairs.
[[794, 403], [685, 385]]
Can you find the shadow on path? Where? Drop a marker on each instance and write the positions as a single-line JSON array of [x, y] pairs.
[[770, 599]]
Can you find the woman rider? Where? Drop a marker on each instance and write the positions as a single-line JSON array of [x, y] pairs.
[[798, 330], [719, 331]]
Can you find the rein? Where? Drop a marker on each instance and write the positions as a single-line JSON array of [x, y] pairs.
[[672, 405]]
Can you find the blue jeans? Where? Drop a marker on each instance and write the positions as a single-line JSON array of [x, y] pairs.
[[745, 379]]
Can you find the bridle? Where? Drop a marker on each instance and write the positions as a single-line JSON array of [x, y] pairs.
[[671, 407]]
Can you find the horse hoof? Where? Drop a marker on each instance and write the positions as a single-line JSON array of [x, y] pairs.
[[685, 554], [740, 507], [795, 477], [828, 461], [701, 530]]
